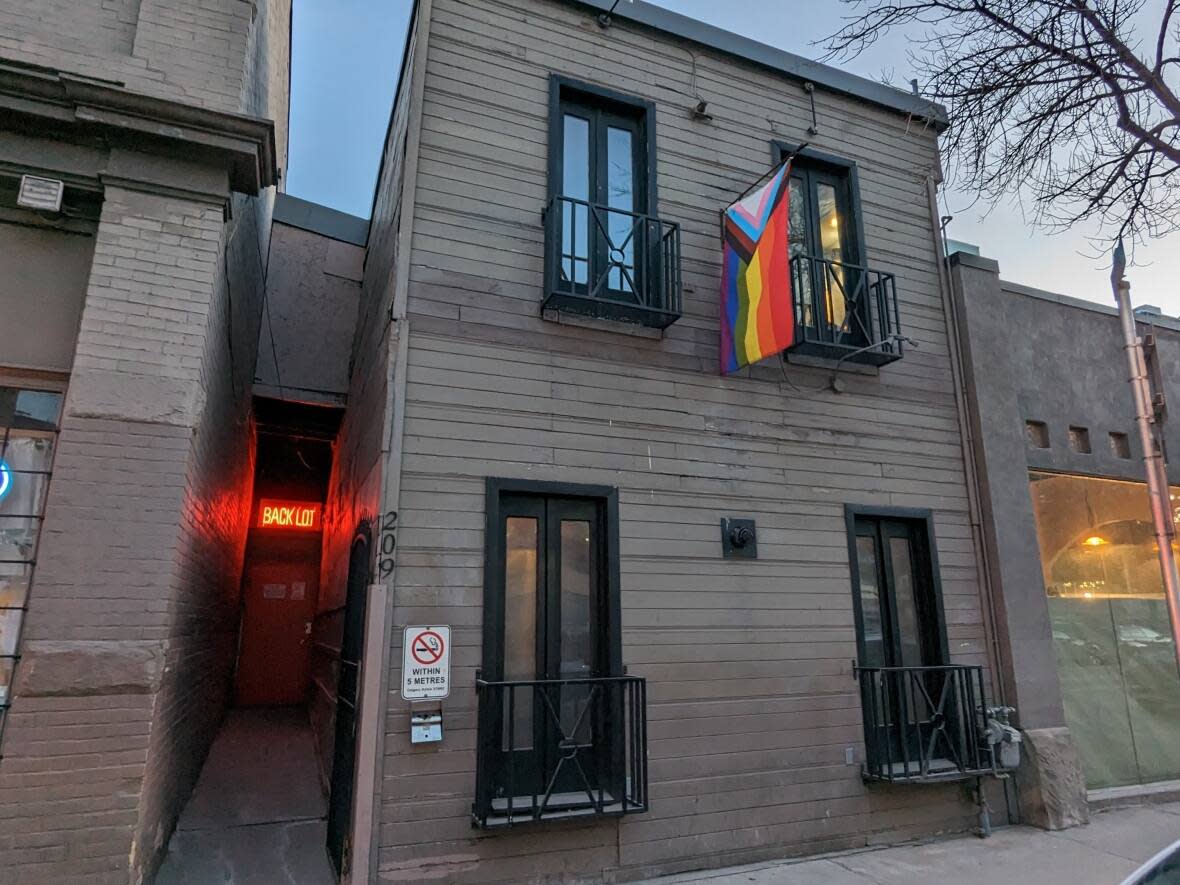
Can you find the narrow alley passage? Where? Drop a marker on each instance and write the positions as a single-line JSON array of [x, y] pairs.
[[258, 814]]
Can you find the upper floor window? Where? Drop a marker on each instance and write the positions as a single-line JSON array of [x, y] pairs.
[[843, 309], [607, 255]]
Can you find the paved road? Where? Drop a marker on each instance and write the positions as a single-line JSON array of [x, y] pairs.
[[1116, 842]]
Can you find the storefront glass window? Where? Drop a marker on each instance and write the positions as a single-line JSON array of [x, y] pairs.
[[28, 434], [1110, 626]]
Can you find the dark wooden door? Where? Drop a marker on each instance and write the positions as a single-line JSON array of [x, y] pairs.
[[340, 798], [279, 598]]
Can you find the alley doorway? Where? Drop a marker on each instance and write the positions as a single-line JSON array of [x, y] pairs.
[[259, 811]]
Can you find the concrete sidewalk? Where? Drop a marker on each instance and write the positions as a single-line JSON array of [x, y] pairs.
[[1116, 842]]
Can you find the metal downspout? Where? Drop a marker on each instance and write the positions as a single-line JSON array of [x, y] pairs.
[[982, 564]]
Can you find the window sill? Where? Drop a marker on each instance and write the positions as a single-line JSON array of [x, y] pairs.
[[635, 330], [815, 362], [563, 807]]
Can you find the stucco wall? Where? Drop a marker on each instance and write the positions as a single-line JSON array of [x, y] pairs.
[[42, 284], [1035, 356]]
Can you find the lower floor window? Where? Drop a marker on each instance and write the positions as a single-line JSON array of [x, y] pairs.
[[1111, 632], [560, 724], [28, 434], [922, 713]]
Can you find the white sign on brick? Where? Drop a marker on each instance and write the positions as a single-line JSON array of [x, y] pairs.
[[426, 663]]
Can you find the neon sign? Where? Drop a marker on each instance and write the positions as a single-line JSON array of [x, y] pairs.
[[5, 480], [292, 516]]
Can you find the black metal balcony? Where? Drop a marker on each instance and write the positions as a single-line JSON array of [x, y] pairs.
[[844, 312], [611, 264], [924, 724], [560, 749]]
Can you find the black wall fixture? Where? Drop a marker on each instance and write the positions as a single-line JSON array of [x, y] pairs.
[[739, 538]]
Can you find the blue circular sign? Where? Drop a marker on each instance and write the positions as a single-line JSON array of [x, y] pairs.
[[5, 480]]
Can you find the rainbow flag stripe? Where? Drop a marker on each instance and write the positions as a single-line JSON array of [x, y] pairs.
[[757, 311]]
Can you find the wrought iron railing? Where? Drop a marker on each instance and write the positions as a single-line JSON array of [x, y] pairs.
[[611, 264], [560, 748], [925, 723], [845, 311]]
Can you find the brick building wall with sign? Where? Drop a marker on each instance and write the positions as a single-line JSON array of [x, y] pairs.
[[128, 641]]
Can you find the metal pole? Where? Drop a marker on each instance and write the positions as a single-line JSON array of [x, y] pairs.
[[1153, 460]]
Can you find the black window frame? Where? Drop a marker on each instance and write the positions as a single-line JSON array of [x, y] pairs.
[[492, 661], [841, 170], [648, 291], [566, 91], [594, 763], [923, 518], [872, 338]]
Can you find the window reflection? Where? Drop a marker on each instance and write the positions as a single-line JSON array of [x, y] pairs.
[[620, 194], [831, 241], [577, 640], [28, 430], [870, 602], [1110, 625], [798, 226], [575, 183], [520, 626]]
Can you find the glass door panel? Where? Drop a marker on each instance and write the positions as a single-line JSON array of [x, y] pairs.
[[872, 621], [900, 629], [575, 183], [831, 242], [622, 229], [602, 183], [521, 563], [551, 634]]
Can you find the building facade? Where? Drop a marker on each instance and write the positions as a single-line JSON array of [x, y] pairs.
[[130, 326], [457, 509], [684, 611], [1087, 646]]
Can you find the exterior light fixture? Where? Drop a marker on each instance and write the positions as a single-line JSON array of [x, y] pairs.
[[5, 480], [604, 19], [1095, 541]]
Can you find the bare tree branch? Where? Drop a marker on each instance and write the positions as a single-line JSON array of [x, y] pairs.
[[1049, 100]]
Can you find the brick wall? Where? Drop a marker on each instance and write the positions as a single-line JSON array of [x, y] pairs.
[[192, 51], [97, 639], [130, 639]]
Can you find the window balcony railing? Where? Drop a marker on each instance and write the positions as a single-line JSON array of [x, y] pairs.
[[925, 724], [559, 749], [844, 312], [611, 264]]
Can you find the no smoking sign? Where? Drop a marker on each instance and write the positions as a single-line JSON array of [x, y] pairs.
[[426, 663]]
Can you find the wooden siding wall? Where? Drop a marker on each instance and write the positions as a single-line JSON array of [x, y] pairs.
[[752, 698]]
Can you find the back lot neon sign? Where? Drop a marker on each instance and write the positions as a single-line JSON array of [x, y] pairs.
[[291, 516]]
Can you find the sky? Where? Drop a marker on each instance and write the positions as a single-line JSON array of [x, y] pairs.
[[346, 55]]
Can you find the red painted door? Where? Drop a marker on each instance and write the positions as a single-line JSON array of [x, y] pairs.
[[274, 656]]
